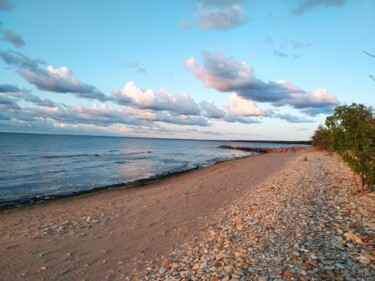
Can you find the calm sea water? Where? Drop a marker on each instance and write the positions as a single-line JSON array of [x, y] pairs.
[[37, 167]]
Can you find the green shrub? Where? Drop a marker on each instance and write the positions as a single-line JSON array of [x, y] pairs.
[[350, 132]]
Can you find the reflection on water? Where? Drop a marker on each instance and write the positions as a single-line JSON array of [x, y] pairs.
[[54, 165]]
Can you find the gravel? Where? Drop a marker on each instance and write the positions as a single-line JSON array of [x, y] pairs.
[[305, 223]]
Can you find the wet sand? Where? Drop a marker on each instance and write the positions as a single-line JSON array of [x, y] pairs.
[[115, 234]]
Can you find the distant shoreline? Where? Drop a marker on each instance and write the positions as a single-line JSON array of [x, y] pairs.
[[268, 149], [275, 142], [136, 137]]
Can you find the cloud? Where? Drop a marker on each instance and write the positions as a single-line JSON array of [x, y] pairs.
[[4, 116], [26, 96], [7, 88], [213, 112], [58, 80], [220, 15], [141, 108], [14, 38], [19, 60], [104, 116], [240, 119], [286, 44], [160, 100], [136, 66], [313, 99], [228, 75], [7, 103], [298, 44], [285, 55], [6, 6], [166, 117], [306, 5], [242, 107], [280, 54], [15, 92], [219, 72], [100, 115], [313, 111], [293, 118], [9, 110]]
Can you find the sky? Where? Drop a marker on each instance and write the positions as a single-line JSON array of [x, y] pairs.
[[196, 69]]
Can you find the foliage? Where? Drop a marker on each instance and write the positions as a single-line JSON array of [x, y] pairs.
[[350, 132], [321, 138]]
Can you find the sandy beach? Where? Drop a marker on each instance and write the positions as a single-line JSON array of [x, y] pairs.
[[277, 216], [117, 234]]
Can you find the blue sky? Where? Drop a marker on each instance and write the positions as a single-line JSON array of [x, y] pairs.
[[205, 69]]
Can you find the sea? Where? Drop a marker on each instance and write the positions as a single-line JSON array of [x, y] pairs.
[[38, 167]]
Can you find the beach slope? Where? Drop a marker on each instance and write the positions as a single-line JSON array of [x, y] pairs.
[[117, 233], [288, 216]]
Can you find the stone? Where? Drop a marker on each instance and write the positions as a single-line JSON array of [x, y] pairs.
[[288, 274], [303, 224]]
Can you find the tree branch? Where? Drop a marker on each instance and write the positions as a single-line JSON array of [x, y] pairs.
[[369, 54]]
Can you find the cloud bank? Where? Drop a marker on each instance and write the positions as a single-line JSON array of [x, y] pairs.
[[228, 75], [57, 80]]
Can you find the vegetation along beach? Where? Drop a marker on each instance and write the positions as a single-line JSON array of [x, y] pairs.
[[216, 140]]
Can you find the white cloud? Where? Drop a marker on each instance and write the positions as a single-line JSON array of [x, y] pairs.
[[241, 107], [160, 100], [239, 111]]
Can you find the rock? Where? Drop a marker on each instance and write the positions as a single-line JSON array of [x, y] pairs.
[[302, 224], [288, 274], [353, 237], [364, 259]]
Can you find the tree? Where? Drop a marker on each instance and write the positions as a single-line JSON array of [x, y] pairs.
[[372, 77], [321, 138], [352, 135]]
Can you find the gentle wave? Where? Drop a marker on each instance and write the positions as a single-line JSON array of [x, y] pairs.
[[40, 167], [92, 155]]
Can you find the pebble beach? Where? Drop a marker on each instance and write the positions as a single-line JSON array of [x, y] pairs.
[[277, 216], [304, 223]]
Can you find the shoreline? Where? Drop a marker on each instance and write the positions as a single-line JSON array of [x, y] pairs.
[[22, 202], [121, 230], [304, 223]]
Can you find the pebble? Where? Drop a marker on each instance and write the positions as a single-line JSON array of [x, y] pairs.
[[304, 223]]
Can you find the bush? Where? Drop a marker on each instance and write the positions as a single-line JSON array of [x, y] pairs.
[[321, 138], [350, 132]]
